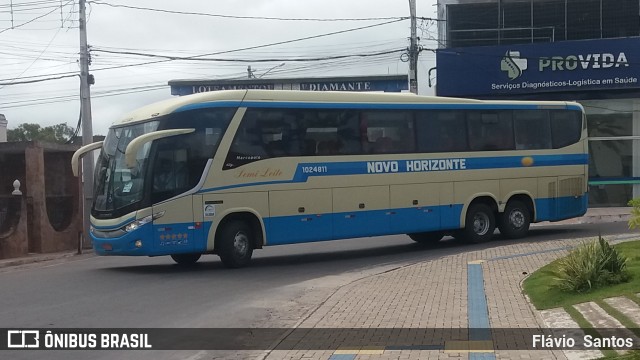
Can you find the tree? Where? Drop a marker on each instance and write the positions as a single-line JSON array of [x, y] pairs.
[[60, 133]]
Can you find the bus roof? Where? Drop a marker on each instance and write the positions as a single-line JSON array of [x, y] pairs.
[[171, 105]]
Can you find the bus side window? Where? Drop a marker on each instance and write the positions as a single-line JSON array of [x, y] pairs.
[[566, 127], [328, 147], [490, 130], [532, 129], [388, 132], [170, 173], [441, 131]]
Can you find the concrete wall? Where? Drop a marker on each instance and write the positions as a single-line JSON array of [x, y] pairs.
[[48, 218], [14, 233], [43, 237]]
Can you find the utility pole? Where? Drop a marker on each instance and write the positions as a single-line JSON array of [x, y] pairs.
[[250, 72], [413, 50], [85, 116]]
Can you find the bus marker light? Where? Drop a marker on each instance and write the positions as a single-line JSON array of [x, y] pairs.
[[527, 161], [107, 247], [138, 243]]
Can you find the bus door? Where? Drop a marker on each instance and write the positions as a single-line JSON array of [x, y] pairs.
[[174, 227]]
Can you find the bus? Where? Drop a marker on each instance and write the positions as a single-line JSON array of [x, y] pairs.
[[229, 172]]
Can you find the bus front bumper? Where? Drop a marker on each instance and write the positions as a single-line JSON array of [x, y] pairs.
[[120, 242]]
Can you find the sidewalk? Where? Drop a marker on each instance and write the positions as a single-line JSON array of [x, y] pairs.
[[445, 296], [36, 258], [596, 216]]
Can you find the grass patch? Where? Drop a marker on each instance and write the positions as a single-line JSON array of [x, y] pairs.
[[632, 355], [635, 298], [588, 329], [541, 289]]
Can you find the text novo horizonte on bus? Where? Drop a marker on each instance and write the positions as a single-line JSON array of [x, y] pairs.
[[376, 167]]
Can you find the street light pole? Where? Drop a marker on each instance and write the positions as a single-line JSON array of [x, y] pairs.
[[268, 71], [85, 116]]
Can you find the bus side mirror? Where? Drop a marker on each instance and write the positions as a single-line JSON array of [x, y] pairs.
[[136, 144], [75, 159]]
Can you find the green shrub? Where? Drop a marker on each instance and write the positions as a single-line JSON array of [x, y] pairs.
[[591, 265], [634, 221]]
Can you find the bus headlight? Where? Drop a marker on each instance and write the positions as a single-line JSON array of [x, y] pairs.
[[145, 220]]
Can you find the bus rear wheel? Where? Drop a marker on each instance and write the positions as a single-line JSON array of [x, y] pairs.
[[515, 220], [235, 245], [480, 224], [429, 237], [186, 259]]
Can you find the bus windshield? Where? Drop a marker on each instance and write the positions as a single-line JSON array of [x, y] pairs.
[[164, 168], [117, 185]]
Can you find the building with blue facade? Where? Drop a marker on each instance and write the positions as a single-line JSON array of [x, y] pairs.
[[568, 50]]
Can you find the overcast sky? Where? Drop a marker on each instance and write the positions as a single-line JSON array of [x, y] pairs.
[[48, 47]]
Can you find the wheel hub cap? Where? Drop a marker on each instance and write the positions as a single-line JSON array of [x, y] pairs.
[[516, 218], [241, 243], [481, 224]]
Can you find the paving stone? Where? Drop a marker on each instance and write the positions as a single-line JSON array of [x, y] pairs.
[[600, 319], [629, 308], [560, 319]]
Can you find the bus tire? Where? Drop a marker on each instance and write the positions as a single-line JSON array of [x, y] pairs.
[[235, 245], [515, 220], [480, 224], [429, 237], [186, 259]]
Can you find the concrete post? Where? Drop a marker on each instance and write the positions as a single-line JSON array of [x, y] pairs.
[[3, 128]]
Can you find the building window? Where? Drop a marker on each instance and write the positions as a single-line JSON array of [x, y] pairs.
[[583, 19], [620, 18], [515, 22], [525, 21], [473, 24], [549, 20], [614, 138]]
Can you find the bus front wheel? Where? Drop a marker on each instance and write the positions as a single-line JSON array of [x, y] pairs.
[[235, 245], [427, 237], [515, 220], [480, 224], [186, 259]]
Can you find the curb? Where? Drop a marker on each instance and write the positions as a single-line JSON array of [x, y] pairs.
[[36, 258]]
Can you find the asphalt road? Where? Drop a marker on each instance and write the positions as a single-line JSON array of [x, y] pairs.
[[282, 283]]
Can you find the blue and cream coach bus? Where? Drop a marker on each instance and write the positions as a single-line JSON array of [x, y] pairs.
[[232, 171]]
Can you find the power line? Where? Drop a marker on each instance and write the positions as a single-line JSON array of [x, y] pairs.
[[33, 3], [249, 60], [66, 98], [36, 59], [34, 19], [195, 57], [244, 17], [37, 80], [258, 46]]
